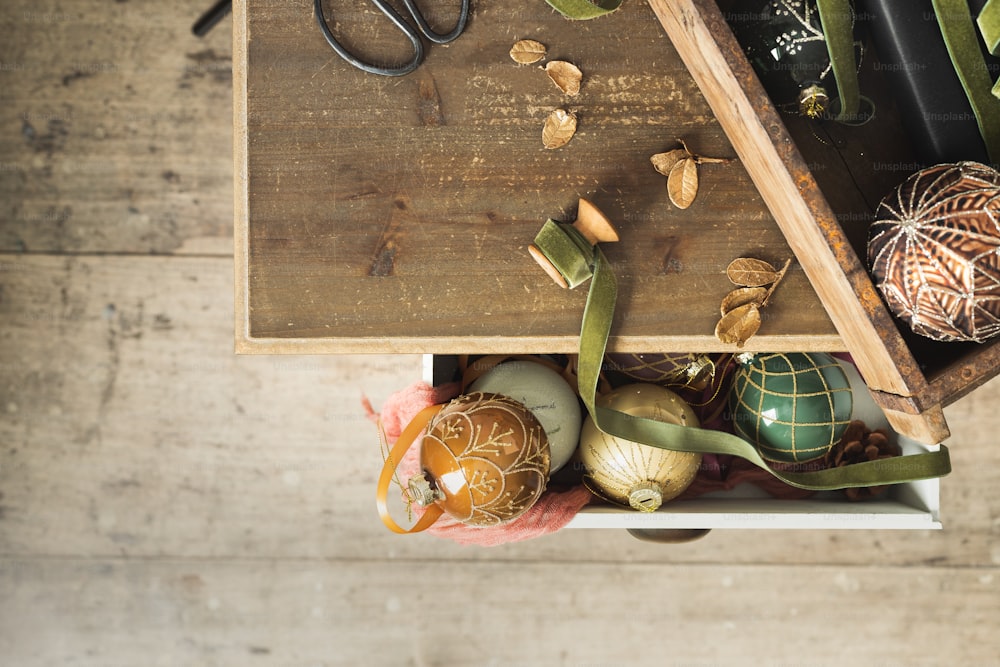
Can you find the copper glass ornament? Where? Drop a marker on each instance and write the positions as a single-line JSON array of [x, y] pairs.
[[934, 252], [484, 460]]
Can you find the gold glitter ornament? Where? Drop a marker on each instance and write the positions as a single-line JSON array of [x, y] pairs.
[[637, 475], [694, 371]]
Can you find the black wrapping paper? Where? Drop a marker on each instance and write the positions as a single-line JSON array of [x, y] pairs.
[[914, 61]]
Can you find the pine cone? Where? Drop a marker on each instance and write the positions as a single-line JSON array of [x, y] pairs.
[[857, 445]]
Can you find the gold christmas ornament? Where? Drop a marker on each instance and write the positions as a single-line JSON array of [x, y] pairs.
[[484, 459], [674, 369], [631, 473]]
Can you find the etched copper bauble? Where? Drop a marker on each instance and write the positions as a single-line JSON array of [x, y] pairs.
[[631, 473], [934, 252], [793, 406], [484, 459], [680, 370]]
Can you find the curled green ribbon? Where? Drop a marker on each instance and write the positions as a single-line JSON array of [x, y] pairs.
[[577, 261], [837, 20], [959, 33], [584, 9]]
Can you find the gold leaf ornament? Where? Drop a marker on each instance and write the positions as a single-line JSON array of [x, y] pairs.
[[750, 272], [664, 162], [682, 183], [741, 296], [527, 51], [559, 128], [565, 75], [755, 282], [680, 166], [739, 324]]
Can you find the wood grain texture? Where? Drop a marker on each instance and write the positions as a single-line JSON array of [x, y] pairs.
[[373, 223], [101, 106], [306, 613]]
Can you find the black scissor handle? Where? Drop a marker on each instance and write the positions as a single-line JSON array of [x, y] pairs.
[[412, 34], [425, 29]]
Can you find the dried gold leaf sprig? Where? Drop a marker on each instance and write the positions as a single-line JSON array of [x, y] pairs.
[[527, 51], [559, 128], [680, 166], [755, 282], [560, 125]]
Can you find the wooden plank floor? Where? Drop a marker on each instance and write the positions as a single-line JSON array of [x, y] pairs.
[[163, 502]]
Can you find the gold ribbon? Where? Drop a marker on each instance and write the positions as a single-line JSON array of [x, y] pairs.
[[399, 449]]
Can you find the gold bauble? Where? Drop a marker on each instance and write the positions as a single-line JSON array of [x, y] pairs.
[[631, 473], [484, 459]]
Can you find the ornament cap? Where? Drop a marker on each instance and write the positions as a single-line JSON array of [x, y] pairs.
[[645, 496], [422, 492], [813, 101]]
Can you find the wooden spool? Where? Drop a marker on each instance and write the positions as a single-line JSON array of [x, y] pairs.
[[592, 224]]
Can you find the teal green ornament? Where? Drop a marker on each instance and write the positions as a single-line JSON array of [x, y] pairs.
[[794, 406]]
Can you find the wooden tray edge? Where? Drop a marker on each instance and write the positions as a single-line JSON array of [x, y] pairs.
[[241, 255]]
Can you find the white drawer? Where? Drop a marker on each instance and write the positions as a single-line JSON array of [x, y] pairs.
[[910, 506]]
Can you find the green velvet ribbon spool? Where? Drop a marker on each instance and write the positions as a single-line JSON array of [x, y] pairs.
[[577, 261]]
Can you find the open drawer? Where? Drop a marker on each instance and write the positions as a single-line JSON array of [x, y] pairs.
[[913, 505]]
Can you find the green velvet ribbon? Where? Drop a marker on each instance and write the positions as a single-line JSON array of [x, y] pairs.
[[837, 20], [577, 261], [955, 21], [584, 9], [989, 25]]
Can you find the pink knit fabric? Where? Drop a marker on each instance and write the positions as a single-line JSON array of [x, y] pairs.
[[553, 510], [557, 507]]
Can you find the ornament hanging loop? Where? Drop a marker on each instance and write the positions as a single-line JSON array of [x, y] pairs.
[[392, 461]]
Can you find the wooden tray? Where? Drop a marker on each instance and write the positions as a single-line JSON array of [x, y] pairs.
[[393, 215], [822, 185]]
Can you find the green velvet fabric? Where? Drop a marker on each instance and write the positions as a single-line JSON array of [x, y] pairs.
[[584, 9], [959, 32], [577, 261], [989, 25], [837, 19]]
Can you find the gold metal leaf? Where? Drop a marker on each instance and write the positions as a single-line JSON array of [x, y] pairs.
[[682, 183], [742, 296], [560, 126], [664, 162], [750, 272], [565, 75], [738, 325], [527, 51]]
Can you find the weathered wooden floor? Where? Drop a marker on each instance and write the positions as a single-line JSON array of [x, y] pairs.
[[163, 502]]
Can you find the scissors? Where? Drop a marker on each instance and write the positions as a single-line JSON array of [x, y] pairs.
[[412, 34]]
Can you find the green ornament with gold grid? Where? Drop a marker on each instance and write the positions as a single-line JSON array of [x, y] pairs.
[[794, 407]]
